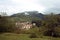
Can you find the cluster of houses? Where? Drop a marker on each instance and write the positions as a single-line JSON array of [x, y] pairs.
[[24, 25]]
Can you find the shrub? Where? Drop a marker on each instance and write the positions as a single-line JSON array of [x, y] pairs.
[[33, 35]]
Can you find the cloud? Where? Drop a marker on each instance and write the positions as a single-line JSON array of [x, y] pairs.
[[29, 4], [14, 6], [50, 3]]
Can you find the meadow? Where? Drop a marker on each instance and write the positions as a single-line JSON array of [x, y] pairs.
[[13, 36]]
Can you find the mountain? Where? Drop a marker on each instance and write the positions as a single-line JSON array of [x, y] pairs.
[[32, 15]]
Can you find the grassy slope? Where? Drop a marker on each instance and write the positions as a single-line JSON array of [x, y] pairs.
[[10, 36]]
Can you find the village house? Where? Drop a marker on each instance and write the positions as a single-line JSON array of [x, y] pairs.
[[24, 25]]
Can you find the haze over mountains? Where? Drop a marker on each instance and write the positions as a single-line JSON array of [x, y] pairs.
[[47, 11], [52, 10]]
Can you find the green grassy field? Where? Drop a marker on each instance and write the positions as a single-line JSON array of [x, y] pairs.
[[12, 36]]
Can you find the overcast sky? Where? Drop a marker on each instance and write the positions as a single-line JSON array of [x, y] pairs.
[[15, 6]]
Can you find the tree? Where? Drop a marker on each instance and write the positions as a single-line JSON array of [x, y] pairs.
[[6, 24], [3, 14], [51, 24]]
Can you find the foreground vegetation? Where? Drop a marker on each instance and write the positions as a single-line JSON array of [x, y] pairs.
[[45, 29]]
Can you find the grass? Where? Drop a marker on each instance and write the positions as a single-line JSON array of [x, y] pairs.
[[12, 36]]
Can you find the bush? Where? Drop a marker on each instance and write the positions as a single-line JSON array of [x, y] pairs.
[[33, 35]]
